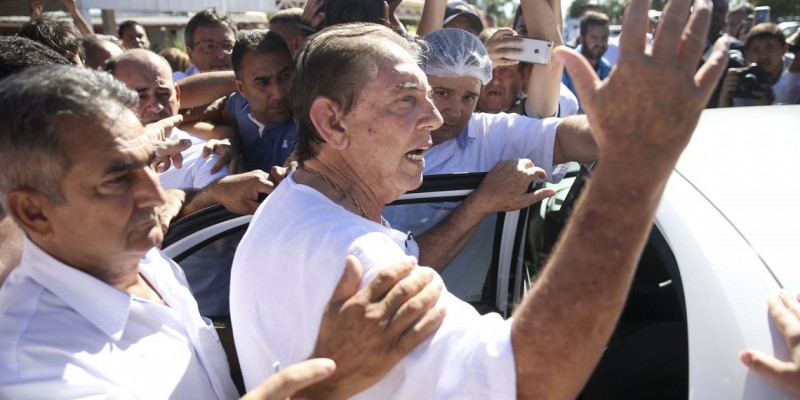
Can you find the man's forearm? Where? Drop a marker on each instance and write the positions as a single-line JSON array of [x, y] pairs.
[[544, 83], [442, 243], [562, 326], [574, 141], [202, 89]]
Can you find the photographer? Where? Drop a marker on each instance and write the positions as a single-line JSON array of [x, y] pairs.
[[764, 81]]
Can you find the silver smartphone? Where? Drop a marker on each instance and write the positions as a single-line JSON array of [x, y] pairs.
[[762, 15], [533, 50]]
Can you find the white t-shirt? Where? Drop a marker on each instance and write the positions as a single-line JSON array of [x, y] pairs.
[[787, 89], [487, 140], [195, 173], [66, 334], [285, 270]]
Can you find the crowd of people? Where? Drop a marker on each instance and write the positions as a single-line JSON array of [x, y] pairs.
[[105, 142]]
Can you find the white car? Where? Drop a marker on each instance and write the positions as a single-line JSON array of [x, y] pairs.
[[725, 237]]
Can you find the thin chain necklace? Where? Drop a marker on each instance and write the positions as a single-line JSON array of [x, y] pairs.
[[338, 189]]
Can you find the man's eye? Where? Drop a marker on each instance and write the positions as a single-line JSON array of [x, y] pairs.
[[470, 97], [440, 93]]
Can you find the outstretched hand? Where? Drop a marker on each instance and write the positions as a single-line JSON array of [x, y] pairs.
[[667, 71], [785, 312]]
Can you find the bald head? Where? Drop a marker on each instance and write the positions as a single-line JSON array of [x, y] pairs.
[[151, 77]]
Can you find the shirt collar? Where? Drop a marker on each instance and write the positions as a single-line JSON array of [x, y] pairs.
[[465, 137], [79, 290]]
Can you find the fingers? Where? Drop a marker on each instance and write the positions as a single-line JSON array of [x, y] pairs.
[[693, 40], [386, 278], [785, 311], [403, 297], [583, 76], [286, 383], [635, 24], [177, 160], [671, 30], [421, 296], [423, 329], [782, 372], [171, 147], [348, 283], [709, 73], [221, 162]]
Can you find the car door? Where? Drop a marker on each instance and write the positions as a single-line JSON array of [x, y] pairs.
[[214, 232]]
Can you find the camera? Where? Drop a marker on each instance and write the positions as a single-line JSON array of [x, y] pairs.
[[750, 80], [343, 11]]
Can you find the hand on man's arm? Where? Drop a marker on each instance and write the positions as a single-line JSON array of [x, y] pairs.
[[567, 319], [505, 188], [367, 332]]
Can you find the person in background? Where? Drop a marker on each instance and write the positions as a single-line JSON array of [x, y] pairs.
[[59, 35], [133, 35], [37, 6], [98, 49], [209, 37], [177, 58], [593, 44]]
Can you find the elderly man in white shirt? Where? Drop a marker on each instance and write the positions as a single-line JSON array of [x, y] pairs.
[[94, 310]]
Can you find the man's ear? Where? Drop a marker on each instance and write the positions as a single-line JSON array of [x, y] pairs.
[[239, 86], [326, 116], [177, 93], [29, 208]]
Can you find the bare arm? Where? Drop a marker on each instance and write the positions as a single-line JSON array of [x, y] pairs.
[[574, 141], [432, 18], [83, 26], [566, 321], [505, 188], [201, 89], [238, 193], [543, 19]]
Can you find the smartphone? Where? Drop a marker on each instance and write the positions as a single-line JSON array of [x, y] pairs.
[[533, 50], [761, 15]]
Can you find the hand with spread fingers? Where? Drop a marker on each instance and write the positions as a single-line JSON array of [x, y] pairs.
[[667, 71], [369, 331], [785, 312]]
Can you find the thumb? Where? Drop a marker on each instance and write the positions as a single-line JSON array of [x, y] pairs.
[[348, 283], [770, 367], [296, 377], [584, 79]]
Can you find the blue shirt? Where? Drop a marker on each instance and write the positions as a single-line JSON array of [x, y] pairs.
[[262, 148]]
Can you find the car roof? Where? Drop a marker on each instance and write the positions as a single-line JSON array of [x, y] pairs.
[[743, 160]]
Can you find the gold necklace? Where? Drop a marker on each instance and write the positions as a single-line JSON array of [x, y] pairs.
[[338, 189]]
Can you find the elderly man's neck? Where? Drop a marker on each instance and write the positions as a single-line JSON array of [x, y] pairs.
[[121, 271]]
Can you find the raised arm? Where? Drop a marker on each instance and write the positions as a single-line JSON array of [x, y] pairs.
[[432, 17], [567, 319], [543, 20], [83, 26]]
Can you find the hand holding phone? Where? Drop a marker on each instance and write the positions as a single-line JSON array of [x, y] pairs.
[[533, 50]]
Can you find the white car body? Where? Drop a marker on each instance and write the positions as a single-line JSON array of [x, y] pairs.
[[731, 216]]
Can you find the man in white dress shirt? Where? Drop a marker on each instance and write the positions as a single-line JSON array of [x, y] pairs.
[[94, 309]]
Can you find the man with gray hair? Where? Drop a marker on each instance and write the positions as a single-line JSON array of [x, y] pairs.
[[361, 149], [95, 310], [209, 37]]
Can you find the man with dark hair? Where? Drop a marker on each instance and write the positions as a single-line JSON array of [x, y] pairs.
[[59, 35], [594, 42], [259, 110], [286, 23], [209, 37], [133, 35], [95, 310], [366, 120], [770, 83]]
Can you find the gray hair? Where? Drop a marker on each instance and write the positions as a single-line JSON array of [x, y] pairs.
[[32, 103], [338, 62]]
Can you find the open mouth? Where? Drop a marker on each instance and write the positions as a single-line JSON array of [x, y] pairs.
[[416, 155]]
